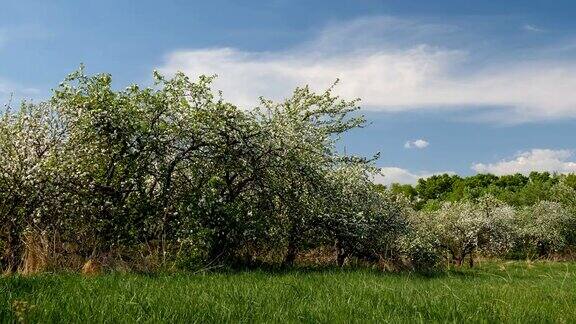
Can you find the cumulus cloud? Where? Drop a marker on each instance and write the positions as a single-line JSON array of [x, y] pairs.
[[391, 175], [558, 161], [417, 144], [391, 65]]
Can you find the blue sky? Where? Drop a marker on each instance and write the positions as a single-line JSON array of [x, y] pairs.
[[449, 86]]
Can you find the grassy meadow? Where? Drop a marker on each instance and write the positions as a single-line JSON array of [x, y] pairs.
[[516, 292]]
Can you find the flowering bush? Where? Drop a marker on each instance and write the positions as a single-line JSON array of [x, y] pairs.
[[176, 165], [460, 229], [542, 227], [95, 172]]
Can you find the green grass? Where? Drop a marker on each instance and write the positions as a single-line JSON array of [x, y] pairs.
[[494, 292]]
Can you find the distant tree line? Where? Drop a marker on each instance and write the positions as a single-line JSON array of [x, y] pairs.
[[516, 189], [453, 218]]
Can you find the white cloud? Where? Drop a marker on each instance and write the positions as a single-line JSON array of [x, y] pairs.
[[391, 66], [418, 144], [532, 28], [391, 175], [533, 160]]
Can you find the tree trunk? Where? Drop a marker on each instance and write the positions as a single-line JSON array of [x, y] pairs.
[[340, 253], [12, 254], [292, 250], [542, 250], [217, 252], [471, 261], [290, 256], [458, 261]]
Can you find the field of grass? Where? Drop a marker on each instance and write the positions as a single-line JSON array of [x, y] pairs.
[[493, 292]]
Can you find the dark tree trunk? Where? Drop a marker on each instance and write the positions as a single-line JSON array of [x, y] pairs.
[[12, 255], [290, 256], [458, 261], [292, 250], [542, 250], [217, 252], [471, 261], [340, 253]]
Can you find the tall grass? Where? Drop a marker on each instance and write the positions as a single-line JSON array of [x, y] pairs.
[[495, 292]]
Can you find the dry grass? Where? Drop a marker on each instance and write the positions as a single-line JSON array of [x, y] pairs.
[[91, 268], [36, 253]]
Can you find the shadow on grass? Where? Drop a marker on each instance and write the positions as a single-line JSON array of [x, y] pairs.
[[276, 270], [28, 283]]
